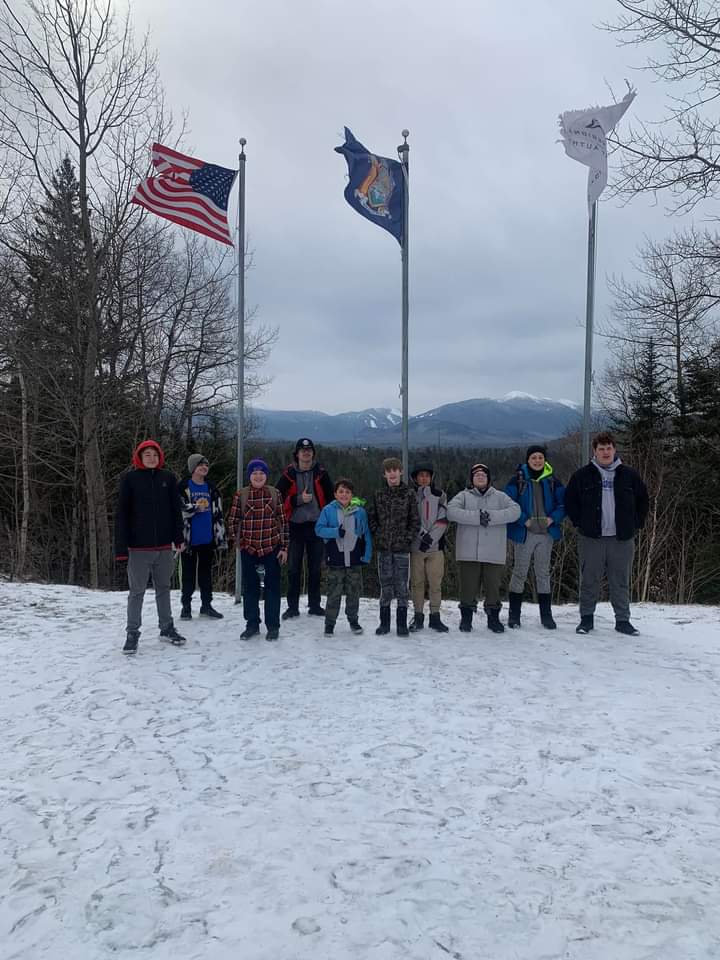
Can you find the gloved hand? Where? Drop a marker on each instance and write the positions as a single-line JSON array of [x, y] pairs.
[[484, 518], [341, 531], [426, 542]]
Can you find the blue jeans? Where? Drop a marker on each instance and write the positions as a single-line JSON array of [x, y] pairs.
[[251, 588]]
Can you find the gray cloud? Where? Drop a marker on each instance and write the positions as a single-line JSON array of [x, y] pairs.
[[498, 216]]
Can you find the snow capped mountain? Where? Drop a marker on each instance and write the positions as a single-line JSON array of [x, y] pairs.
[[514, 419]]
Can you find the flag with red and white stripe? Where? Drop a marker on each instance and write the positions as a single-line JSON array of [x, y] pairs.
[[189, 192]]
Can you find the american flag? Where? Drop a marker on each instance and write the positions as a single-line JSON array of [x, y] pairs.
[[189, 192]]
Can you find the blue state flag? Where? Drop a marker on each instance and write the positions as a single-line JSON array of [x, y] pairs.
[[375, 187]]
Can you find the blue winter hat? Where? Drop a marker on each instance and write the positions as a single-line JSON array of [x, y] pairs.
[[258, 465]]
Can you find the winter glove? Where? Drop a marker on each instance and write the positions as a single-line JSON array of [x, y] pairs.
[[426, 542], [341, 531], [484, 518]]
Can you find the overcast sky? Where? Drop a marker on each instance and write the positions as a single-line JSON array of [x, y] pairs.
[[498, 212]]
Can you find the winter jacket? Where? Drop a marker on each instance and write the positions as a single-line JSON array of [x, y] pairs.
[[432, 510], [257, 520], [355, 546], [288, 487], [393, 518], [521, 490], [583, 501], [189, 509], [148, 513], [473, 541]]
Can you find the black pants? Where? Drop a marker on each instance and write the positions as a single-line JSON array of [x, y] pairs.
[[302, 541], [251, 588], [197, 563]]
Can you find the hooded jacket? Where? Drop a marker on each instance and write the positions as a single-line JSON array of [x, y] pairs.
[[432, 510], [583, 501], [355, 547], [287, 485], [473, 541], [521, 490], [148, 513]]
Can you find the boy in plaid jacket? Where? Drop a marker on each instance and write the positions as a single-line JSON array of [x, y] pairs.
[[259, 530]]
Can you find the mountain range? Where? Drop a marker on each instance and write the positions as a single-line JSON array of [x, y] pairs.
[[515, 419]]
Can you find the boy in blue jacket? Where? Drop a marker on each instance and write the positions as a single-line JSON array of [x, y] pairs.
[[343, 525], [541, 497]]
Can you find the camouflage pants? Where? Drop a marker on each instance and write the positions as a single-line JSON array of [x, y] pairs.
[[347, 581]]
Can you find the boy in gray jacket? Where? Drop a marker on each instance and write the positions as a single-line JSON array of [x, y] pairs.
[[482, 514], [427, 554]]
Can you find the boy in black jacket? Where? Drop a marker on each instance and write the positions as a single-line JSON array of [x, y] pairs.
[[147, 526], [607, 502]]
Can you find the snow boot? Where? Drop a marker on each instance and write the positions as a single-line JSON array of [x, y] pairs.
[[355, 626], [418, 622], [317, 611], [435, 623], [131, 642], [252, 629], [493, 621], [515, 608], [384, 622], [546, 617], [329, 628], [624, 626], [273, 633], [186, 613], [401, 625], [170, 635], [587, 623], [290, 613], [466, 618], [210, 611]]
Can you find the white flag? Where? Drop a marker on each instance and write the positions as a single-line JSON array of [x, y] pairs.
[[584, 136]]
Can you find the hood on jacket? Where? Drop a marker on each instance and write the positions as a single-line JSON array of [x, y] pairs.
[[524, 469], [146, 444]]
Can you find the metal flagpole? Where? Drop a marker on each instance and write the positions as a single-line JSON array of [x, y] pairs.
[[240, 349], [589, 318], [404, 154]]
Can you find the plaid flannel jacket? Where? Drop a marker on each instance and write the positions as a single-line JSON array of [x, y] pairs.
[[257, 521]]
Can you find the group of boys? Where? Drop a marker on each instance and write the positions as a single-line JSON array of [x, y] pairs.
[[307, 517]]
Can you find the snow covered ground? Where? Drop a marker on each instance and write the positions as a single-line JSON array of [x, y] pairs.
[[533, 796]]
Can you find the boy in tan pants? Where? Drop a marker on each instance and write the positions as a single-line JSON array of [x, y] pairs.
[[427, 557]]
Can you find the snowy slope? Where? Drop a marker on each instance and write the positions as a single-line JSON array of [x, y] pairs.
[[533, 796]]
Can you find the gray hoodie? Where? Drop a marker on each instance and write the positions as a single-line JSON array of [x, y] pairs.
[[608, 497], [473, 541]]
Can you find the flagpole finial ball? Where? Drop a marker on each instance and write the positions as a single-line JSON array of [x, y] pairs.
[[406, 133], [243, 141]]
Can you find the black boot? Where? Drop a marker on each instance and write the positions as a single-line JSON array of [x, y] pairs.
[[587, 623], [435, 623], [131, 642], [493, 621], [384, 621], [515, 608], [546, 617], [252, 629], [355, 626], [210, 611], [401, 622], [185, 612], [418, 623], [329, 628], [466, 617], [624, 626], [170, 635]]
